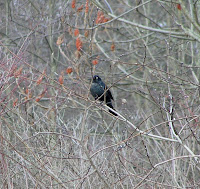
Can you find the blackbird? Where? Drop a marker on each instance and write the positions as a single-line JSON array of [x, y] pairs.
[[101, 92]]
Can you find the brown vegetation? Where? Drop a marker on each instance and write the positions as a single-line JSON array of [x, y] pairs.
[[54, 135]]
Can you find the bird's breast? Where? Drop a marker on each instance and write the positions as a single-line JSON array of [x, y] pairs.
[[96, 90]]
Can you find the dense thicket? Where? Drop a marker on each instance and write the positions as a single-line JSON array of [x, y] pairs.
[[52, 132]]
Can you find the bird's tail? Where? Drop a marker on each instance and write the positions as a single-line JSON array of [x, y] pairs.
[[109, 103]]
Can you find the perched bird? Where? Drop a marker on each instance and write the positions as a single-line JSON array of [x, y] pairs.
[[100, 91]]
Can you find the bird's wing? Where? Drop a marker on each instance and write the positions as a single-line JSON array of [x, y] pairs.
[[108, 93]]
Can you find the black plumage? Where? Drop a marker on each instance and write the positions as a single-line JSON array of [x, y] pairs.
[[100, 91]]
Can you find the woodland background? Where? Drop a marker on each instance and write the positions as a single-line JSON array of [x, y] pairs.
[[52, 132]]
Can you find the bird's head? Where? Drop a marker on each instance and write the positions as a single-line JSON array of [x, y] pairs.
[[96, 79]]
